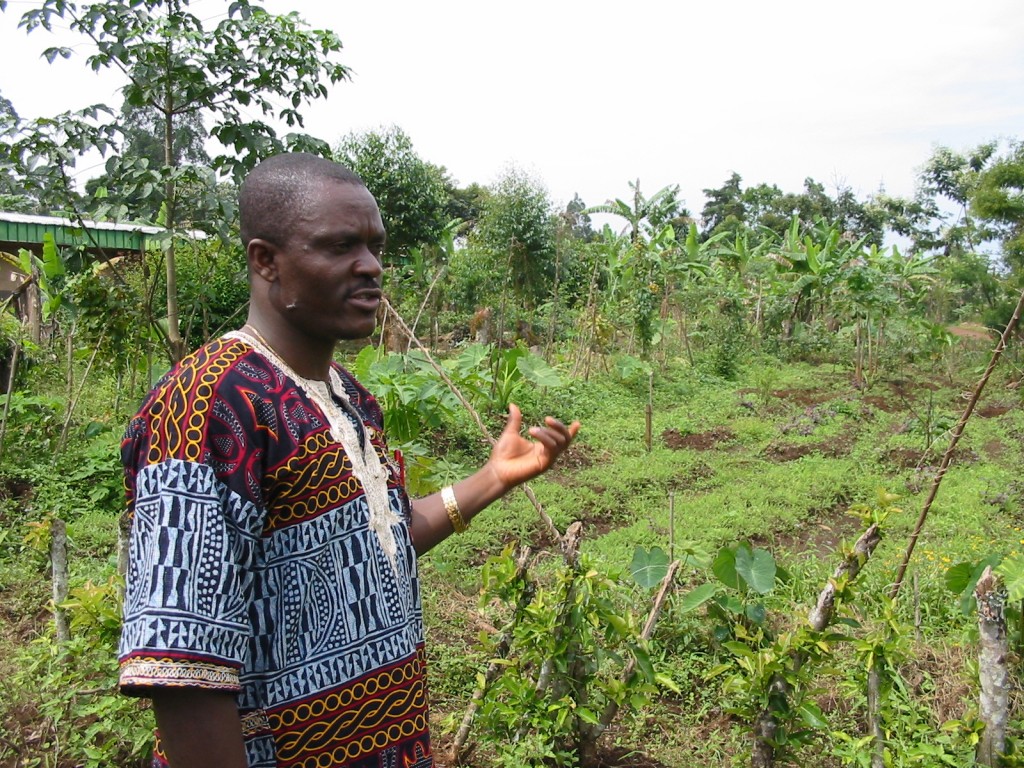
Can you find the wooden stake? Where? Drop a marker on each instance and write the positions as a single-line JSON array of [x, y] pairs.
[[993, 671], [671, 526], [10, 393], [59, 568]]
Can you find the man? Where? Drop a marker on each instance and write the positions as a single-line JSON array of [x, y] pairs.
[[272, 608]]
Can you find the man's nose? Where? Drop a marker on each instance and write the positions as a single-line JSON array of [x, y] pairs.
[[369, 263]]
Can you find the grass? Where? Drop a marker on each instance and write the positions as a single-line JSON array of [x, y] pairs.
[[777, 457]]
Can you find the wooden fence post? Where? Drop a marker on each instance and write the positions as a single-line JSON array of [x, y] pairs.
[[59, 566], [993, 671]]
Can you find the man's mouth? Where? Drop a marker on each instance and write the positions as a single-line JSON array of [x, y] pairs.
[[367, 297]]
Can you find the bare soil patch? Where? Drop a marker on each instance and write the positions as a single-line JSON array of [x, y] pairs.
[[702, 441], [784, 453], [819, 536], [804, 396], [576, 457], [972, 332], [994, 449], [911, 458], [991, 410], [887, 404]]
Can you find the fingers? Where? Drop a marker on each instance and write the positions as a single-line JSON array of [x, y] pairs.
[[555, 436]]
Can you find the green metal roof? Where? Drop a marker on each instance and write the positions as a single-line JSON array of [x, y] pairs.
[[24, 230]]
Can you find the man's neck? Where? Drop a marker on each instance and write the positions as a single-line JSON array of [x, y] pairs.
[[307, 358]]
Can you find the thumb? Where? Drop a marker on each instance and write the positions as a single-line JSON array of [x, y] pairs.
[[515, 420]]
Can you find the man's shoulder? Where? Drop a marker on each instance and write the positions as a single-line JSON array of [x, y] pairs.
[[210, 389], [211, 366], [215, 370]]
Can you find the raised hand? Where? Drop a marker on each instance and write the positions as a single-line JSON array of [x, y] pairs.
[[516, 459]]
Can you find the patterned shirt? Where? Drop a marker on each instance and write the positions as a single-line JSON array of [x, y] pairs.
[[254, 567]]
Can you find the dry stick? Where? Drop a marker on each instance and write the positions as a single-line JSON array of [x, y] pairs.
[[500, 652], [954, 439], [74, 403], [476, 417], [426, 300], [766, 725], [10, 393], [993, 673]]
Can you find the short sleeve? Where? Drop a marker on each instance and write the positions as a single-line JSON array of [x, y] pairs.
[[186, 619]]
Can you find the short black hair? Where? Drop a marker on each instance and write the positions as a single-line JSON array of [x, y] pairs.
[[280, 185]]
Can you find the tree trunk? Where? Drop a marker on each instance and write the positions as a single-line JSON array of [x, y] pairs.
[[34, 305], [174, 340], [993, 670]]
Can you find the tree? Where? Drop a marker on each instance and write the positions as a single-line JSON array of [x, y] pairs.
[[999, 197], [576, 220], [177, 64], [725, 210], [516, 227], [144, 139], [14, 196], [411, 193], [954, 176]]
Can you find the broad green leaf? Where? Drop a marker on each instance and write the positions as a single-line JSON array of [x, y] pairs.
[[666, 682], [757, 568], [730, 603], [812, 715], [94, 428], [967, 602], [649, 566], [586, 715], [756, 613], [698, 597], [724, 567], [643, 662], [535, 370], [1012, 571], [736, 648], [958, 576]]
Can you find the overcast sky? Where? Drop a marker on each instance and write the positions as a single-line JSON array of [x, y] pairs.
[[590, 95]]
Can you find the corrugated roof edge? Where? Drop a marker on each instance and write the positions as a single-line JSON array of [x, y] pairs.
[[58, 221]]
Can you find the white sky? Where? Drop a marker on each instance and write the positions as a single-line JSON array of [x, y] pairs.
[[590, 95]]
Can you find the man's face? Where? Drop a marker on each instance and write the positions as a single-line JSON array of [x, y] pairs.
[[328, 273]]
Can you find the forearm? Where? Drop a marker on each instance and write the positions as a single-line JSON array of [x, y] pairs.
[[199, 729], [430, 522]]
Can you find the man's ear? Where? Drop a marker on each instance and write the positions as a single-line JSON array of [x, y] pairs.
[[262, 257]]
